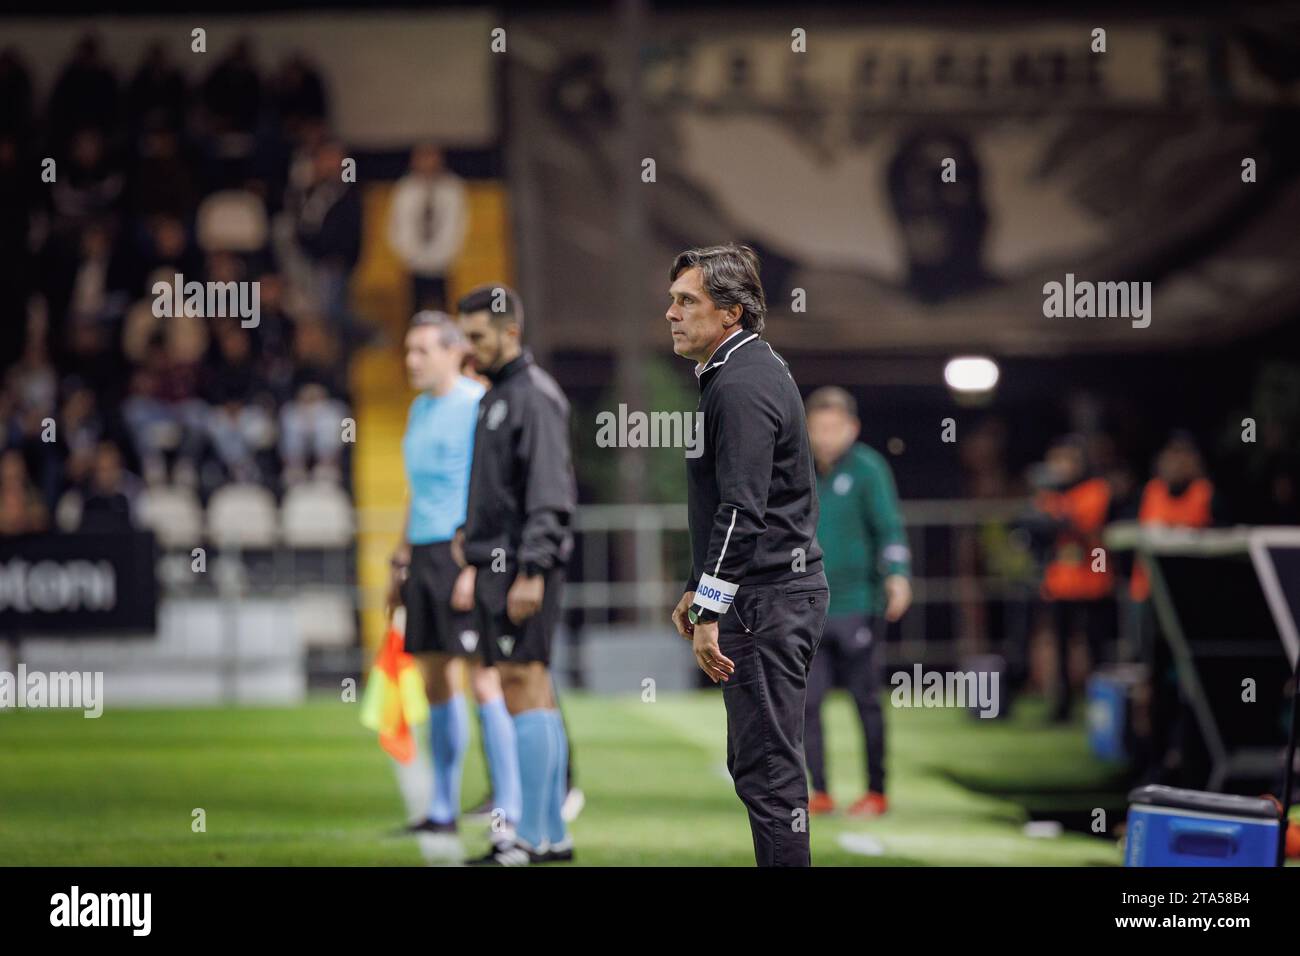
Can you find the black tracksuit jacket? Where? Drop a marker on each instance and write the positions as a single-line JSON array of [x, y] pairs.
[[521, 486], [752, 492]]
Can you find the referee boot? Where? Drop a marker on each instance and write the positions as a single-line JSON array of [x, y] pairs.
[[513, 852]]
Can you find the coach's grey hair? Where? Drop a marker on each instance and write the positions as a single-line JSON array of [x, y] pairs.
[[449, 333], [729, 273]]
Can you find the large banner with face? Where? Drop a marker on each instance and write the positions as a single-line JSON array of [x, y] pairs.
[[1021, 189]]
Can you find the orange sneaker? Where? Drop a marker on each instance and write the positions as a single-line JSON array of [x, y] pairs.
[[872, 805], [820, 802]]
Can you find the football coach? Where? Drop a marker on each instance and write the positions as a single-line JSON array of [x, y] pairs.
[[756, 600]]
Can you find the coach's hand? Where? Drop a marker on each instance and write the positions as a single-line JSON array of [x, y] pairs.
[[462, 592], [707, 653], [898, 597], [684, 627], [525, 597]]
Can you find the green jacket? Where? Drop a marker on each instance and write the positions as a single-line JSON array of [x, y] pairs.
[[860, 531]]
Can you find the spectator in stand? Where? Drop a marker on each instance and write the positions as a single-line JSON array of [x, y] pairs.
[[275, 336], [427, 224], [158, 93], [89, 183], [327, 226], [311, 421], [86, 281], [34, 387], [239, 426], [85, 94], [300, 94], [163, 182], [232, 93], [81, 428], [108, 506], [19, 202], [163, 409], [16, 112], [21, 508]]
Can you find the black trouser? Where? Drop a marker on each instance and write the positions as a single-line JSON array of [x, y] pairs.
[[771, 636], [1097, 619], [850, 650]]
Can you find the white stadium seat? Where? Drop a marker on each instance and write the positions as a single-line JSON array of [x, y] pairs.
[[317, 515], [242, 516], [173, 514]]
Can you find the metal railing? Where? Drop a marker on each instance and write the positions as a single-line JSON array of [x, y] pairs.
[[631, 561]]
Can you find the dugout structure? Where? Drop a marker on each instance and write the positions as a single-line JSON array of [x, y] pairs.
[[1227, 601]]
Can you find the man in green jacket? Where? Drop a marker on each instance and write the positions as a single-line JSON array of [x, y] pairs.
[[868, 566]]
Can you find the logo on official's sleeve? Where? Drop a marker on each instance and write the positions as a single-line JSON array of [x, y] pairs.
[[469, 640], [496, 414], [842, 484], [507, 644]]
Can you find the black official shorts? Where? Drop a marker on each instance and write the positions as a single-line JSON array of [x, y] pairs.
[[431, 624], [504, 641]]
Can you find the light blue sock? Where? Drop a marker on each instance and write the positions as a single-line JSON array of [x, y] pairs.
[[556, 830], [503, 757], [536, 744], [448, 739]]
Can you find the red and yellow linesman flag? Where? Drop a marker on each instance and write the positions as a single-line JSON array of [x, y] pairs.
[[394, 699]]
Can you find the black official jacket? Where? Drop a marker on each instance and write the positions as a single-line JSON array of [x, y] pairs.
[[752, 492], [521, 486]]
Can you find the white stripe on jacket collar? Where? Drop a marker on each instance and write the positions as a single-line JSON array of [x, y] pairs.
[[701, 369]]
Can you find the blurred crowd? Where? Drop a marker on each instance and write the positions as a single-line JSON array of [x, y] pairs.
[[233, 178], [1057, 575]]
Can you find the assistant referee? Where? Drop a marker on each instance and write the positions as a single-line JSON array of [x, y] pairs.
[[756, 601]]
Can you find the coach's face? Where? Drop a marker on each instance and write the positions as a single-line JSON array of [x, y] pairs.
[[697, 325]]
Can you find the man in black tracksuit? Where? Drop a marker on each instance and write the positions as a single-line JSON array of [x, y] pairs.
[[756, 600], [517, 538]]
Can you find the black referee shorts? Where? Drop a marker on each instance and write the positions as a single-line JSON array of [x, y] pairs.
[[503, 640], [431, 624]]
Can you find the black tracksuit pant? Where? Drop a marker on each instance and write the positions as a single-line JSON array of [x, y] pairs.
[[771, 635], [850, 651]]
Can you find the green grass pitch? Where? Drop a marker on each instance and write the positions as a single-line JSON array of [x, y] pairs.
[[308, 786]]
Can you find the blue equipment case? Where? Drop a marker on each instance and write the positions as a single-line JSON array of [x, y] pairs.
[[1168, 826]]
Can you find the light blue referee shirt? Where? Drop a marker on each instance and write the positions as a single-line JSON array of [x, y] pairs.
[[438, 448]]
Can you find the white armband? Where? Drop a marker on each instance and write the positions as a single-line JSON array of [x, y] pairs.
[[715, 593]]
